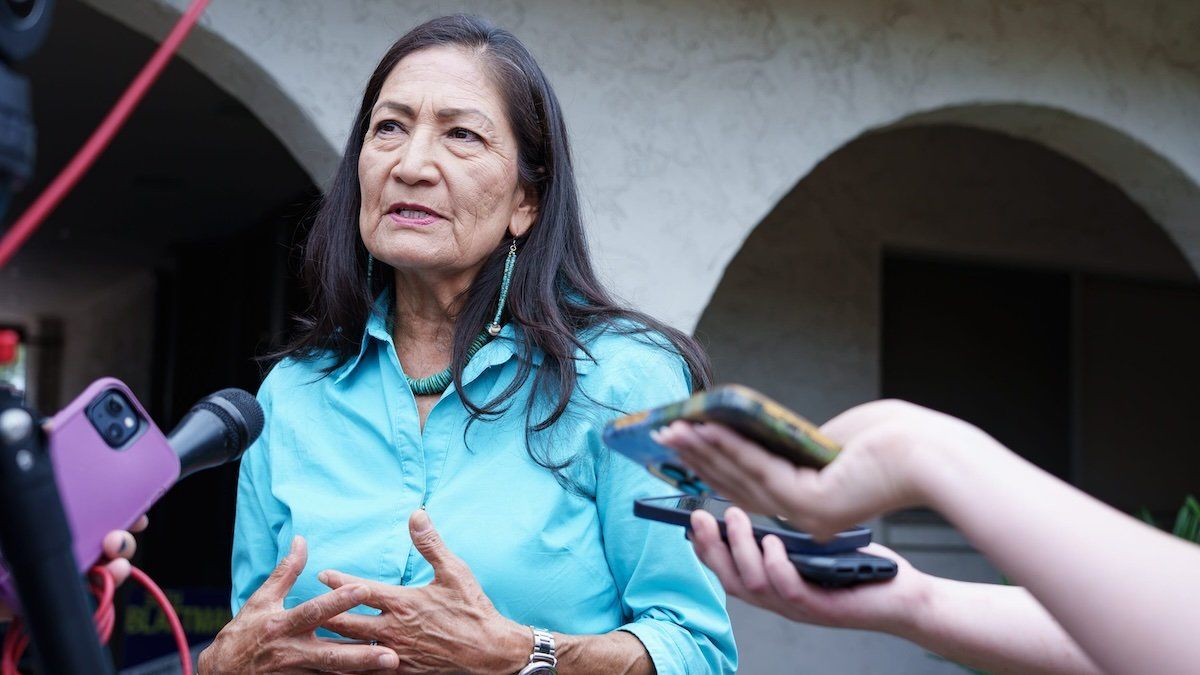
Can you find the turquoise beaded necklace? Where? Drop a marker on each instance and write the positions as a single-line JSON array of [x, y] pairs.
[[437, 383]]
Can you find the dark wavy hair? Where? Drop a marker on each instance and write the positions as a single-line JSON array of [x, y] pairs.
[[555, 295]]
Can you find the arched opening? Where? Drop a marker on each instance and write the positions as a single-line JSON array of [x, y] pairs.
[[985, 275], [167, 267]]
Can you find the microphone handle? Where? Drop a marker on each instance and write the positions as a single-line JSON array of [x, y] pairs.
[[36, 541]]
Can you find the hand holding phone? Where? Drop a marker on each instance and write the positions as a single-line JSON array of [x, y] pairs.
[[110, 463], [762, 576], [837, 562], [753, 415]]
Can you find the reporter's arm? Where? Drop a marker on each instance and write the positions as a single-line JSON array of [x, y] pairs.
[[1127, 593], [996, 628]]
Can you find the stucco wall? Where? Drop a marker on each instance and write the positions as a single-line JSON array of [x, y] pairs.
[[691, 119], [797, 315]]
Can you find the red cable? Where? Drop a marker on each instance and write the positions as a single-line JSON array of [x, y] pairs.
[[16, 639], [100, 138], [181, 643]]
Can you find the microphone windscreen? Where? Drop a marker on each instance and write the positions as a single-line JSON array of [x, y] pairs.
[[248, 407]]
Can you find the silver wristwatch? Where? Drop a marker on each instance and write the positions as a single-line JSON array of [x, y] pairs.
[[542, 661]]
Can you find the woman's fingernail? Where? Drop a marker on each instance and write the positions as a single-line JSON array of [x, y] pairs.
[[389, 661], [421, 521]]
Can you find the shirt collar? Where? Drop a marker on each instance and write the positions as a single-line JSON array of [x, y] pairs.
[[376, 328]]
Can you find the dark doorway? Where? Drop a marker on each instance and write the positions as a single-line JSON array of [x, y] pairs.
[[167, 267], [987, 344], [1091, 377]]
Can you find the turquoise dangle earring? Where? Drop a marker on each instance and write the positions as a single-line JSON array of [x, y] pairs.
[[493, 328], [370, 271]]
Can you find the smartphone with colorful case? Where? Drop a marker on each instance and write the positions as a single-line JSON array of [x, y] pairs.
[[111, 463]]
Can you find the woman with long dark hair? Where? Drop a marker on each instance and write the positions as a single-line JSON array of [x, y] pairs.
[[456, 363]]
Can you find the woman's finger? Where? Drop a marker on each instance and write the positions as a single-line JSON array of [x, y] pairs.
[[336, 579], [141, 524], [354, 626], [746, 554], [283, 577], [383, 596], [448, 568], [309, 615], [329, 656]]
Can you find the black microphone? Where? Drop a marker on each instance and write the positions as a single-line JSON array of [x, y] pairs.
[[216, 430]]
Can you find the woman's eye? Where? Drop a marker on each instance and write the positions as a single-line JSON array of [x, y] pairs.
[[461, 134], [388, 127]]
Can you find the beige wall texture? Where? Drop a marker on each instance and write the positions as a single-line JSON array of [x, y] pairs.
[[692, 119]]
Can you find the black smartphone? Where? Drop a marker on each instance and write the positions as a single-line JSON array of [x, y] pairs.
[[835, 564], [677, 510], [847, 568]]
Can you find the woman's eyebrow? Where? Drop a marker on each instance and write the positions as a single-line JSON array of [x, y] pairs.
[[454, 113], [401, 108]]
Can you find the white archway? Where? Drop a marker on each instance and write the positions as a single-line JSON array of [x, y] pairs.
[[231, 69], [1171, 197]]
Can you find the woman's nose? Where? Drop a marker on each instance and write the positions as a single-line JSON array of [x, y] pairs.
[[415, 161]]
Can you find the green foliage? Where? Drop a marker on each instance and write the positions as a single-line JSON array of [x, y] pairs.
[[1187, 521]]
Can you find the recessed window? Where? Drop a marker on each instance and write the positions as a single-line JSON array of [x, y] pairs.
[[1095, 379]]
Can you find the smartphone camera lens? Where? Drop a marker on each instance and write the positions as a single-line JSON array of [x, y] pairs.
[[114, 418]]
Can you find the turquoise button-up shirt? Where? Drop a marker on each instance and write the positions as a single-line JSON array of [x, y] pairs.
[[343, 461]]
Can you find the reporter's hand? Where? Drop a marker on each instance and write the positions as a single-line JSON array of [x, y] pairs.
[[767, 578], [266, 638], [119, 547], [890, 449]]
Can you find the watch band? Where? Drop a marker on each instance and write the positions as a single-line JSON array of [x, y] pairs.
[[542, 660]]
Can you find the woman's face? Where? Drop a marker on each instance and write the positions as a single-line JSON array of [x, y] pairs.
[[438, 168]]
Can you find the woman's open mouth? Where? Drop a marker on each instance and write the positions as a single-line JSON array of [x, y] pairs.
[[412, 214]]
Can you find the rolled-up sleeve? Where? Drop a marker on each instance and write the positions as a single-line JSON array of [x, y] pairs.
[[676, 607], [259, 516]]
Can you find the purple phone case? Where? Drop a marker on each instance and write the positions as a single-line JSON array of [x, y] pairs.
[[103, 489]]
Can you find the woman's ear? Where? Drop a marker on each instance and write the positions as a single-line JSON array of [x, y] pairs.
[[525, 214]]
